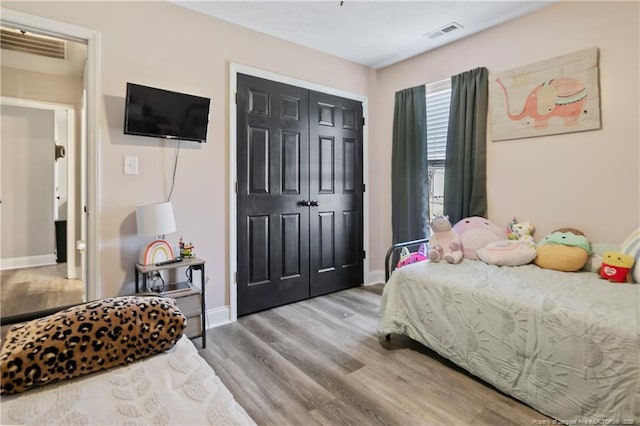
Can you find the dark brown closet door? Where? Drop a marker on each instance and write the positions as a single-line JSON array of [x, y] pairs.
[[299, 194], [273, 182], [335, 167]]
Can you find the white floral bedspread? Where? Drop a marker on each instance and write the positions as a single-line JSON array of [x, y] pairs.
[[567, 344], [176, 387]]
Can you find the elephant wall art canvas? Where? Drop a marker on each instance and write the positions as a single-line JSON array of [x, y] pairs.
[[559, 95]]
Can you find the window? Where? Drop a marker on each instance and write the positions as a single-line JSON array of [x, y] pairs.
[[438, 101]]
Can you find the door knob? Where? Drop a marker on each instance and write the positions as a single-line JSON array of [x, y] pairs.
[[305, 203], [313, 203]]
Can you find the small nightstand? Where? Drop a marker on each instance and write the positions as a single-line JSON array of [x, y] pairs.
[[189, 298]]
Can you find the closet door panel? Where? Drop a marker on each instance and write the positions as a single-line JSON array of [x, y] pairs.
[[273, 179], [335, 155]]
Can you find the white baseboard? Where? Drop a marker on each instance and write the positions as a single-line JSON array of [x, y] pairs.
[[27, 262], [218, 316], [375, 277]]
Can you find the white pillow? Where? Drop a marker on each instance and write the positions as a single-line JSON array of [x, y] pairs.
[[631, 246], [507, 253]]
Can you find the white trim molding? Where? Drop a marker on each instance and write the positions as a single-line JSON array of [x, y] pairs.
[[375, 277], [217, 317], [30, 103], [27, 262], [234, 70], [91, 273]]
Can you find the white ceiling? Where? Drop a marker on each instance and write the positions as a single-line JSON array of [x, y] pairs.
[[372, 33]]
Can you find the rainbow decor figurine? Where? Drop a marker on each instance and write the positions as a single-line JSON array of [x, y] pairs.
[[156, 251]]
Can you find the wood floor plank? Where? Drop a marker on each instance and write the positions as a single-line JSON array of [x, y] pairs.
[[33, 289], [337, 412], [310, 361], [321, 361], [358, 343], [415, 401], [289, 323], [256, 401], [270, 372]]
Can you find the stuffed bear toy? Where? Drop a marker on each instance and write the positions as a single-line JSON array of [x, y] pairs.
[[444, 242], [476, 232]]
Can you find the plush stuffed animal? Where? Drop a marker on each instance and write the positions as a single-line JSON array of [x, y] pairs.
[[519, 249], [616, 267], [476, 232], [510, 234], [407, 258], [565, 249], [523, 231], [507, 253], [444, 242]]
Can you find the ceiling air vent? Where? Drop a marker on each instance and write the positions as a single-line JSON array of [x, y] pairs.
[[32, 43], [444, 30]]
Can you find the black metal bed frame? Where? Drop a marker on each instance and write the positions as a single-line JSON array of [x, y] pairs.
[[388, 268]]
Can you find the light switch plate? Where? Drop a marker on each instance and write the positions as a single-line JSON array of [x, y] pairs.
[[130, 165]]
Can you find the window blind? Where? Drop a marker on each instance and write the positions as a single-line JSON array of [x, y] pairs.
[[438, 103]]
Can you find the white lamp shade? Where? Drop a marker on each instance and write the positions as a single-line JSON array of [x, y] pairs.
[[155, 219]]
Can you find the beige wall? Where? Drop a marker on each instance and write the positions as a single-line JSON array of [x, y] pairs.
[[38, 86], [587, 180], [41, 87], [27, 228], [163, 45], [552, 181]]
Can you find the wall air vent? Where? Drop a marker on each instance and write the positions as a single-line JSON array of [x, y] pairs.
[[32, 43], [444, 30]]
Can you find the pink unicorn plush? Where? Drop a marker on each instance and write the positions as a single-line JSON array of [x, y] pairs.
[[444, 242], [407, 258]]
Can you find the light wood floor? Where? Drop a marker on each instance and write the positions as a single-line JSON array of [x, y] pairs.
[[320, 362], [33, 289]]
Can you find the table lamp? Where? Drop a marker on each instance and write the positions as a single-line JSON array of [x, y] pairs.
[[155, 220]]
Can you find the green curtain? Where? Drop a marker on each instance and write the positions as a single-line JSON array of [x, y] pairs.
[[465, 172], [409, 208]]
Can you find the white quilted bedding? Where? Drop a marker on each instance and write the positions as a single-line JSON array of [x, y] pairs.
[[176, 387], [567, 344]]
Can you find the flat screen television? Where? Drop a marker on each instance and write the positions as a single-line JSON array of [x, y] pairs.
[[165, 114]]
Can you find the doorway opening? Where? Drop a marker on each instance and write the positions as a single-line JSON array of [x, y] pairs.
[[70, 191], [40, 268]]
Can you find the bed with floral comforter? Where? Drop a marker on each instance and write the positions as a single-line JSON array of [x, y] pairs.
[[567, 344]]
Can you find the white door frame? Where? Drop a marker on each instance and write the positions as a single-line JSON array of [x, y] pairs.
[[57, 141], [91, 273], [234, 70], [69, 110]]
